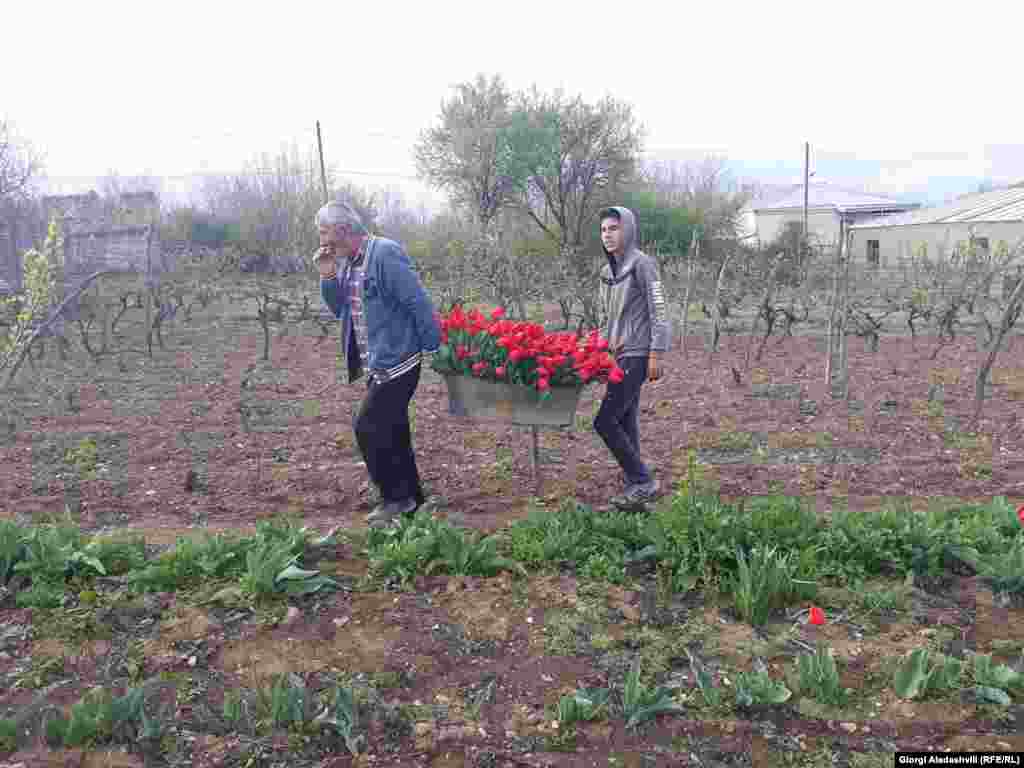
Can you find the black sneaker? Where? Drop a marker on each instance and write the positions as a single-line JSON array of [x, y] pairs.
[[390, 511], [636, 495]]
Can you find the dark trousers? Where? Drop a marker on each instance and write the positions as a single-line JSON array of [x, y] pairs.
[[385, 439], [618, 420]]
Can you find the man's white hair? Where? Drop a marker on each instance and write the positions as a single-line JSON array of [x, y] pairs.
[[338, 213]]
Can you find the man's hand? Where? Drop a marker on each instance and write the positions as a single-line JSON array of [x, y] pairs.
[[326, 262], [653, 366]]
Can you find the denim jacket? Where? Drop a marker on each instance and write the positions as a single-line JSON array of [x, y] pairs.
[[400, 318]]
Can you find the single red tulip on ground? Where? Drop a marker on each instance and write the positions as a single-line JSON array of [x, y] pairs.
[[1020, 514], [817, 616]]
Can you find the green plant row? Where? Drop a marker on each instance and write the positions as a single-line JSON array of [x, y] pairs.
[[765, 552], [141, 715], [815, 675], [56, 556], [776, 545]]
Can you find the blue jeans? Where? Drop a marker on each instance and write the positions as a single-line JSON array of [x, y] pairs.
[[618, 420]]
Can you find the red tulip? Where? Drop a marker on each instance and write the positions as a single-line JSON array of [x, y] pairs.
[[1020, 514], [461, 351], [817, 616], [616, 375], [498, 313], [500, 371], [543, 384]]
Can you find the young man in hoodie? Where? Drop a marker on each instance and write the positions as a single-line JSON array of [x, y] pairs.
[[638, 335], [388, 322]]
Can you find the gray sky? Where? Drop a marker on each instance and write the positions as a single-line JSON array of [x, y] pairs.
[[895, 97]]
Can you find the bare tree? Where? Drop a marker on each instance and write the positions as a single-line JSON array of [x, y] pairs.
[[707, 188], [571, 157], [273, 203], [20, 163], [1010, 315], [468, 154], [461, 154]]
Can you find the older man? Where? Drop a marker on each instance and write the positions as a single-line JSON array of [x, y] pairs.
[[388, 321]]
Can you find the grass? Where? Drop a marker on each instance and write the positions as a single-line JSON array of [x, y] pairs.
[[767, 580], [756, 556], [767, 552]]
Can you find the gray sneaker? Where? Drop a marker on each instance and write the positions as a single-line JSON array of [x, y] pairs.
[[637, 495], [389, 512]]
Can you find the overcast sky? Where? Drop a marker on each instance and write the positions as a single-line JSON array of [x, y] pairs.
[[897, 97]]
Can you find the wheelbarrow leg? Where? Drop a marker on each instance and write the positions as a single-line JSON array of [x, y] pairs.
[[535, 458]]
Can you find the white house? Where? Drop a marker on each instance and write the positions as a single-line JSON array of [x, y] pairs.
[[827, 205], [993, 220]]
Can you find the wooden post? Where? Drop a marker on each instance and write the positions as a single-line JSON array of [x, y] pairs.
[[149, 294], [690, 272], [323, 173], [807, 175]]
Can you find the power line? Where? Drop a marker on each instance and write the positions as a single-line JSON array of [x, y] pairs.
[[258, 172]]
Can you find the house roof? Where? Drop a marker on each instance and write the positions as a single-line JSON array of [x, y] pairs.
[[823, 194], [143, 195], [1000, 205], [84, 197]]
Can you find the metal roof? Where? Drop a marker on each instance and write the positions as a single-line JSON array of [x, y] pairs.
[[823, 194], [1001, 205]]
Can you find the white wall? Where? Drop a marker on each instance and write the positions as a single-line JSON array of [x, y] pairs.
[[898, 245], [823, 224], [895, 243]]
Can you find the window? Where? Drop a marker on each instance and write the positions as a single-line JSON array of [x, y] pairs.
[[873, 257]]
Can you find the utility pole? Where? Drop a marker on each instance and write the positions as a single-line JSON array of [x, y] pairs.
[[807, 175], [323, 173]]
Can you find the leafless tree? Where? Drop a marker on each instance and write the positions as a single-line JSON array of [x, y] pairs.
[[20, 163], [706, 187], [570, 173]]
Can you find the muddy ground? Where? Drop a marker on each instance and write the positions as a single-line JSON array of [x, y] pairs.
[[466, 671]]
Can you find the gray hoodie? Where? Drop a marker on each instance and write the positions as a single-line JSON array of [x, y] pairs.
[[631, 295]]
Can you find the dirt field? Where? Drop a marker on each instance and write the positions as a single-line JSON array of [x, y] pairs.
[[475, 665], [901, 433]]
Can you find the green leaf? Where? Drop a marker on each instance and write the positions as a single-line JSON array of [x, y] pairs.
[[911, 678], [92, 562], [1000, 676], [661, 707], [992, 695], [650, 552], [309, 586], [593, 697], [631, 694], [293, 572]]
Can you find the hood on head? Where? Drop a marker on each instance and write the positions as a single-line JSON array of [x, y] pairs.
[[628, 222]]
